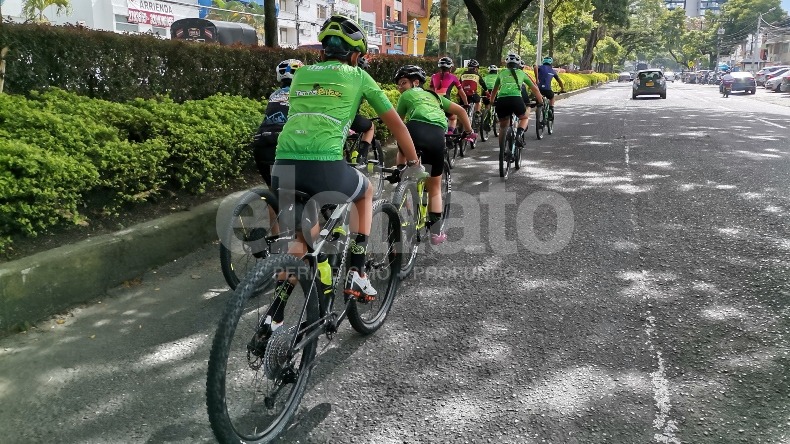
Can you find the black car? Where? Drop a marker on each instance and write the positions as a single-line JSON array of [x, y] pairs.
[[649, 82], [744, 81]]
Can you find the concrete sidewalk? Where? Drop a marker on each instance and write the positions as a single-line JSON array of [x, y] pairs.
[[38, 286]]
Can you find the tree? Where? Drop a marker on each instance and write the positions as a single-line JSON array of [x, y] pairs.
[[270, 23], [494, 19], [33, 10], [606, 13], [443, 13], [739, 18], [236, 11]]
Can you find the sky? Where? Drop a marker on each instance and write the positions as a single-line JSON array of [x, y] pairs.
[[786, 5]]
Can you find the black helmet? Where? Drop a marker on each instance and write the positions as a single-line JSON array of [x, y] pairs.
[[473, 64], [410, 72]]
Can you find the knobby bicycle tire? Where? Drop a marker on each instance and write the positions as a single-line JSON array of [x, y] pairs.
[[504, 163], [241, 365], [550, 122], [494, 121], [406, 203], [481, 130], [540, 122], [383, 268], [375, 175], [244, 243]]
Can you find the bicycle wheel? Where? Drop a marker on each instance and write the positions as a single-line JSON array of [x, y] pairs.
[[244, 241], [451, 152], [383, 267], [407, 205], [254, 384], [447, 190], [539, 122], [517, 157], [485, 122], [550, 122], [494, 122], [504, 160]]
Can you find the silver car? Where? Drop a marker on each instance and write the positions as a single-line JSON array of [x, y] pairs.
[[774, 80]]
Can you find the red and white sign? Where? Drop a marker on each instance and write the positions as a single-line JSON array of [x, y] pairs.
[[150, 12]]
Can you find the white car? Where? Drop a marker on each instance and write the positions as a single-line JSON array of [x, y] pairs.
[[773, 83], [670, 76]]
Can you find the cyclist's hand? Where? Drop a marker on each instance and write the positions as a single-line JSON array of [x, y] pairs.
[[413, 172]]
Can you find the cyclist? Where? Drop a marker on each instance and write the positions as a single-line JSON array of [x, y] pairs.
[[489, 80], [363, 126], [442, 83], [472, 82], [507, 94], [264, 142], [324, 100], [423, 113], [545, 73]]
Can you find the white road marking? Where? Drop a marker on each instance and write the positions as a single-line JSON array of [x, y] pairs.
[[771, 123]]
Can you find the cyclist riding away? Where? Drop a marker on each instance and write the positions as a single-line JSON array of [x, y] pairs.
[[545, 73], [264, 142], [472, 82], [507, 94], [324, 100], [423, 111], [489, 80], [442, 83]]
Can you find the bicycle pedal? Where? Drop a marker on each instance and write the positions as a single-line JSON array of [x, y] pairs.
[[359, 297]]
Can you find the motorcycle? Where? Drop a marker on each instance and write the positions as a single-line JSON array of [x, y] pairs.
[[726, 87]]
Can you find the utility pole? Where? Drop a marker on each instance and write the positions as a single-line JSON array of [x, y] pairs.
[[539, 52], [297, 2], [754, 40], [720, 33]]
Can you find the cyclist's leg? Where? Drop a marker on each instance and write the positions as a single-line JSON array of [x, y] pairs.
[[548, 94], [263, 151], [366, 130], [504, 106], [475, 98]]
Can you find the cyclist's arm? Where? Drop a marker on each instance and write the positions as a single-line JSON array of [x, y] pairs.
[[559, 80], [483, 85]]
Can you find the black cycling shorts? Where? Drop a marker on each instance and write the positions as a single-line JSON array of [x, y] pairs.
[[547, 93], [429, 142], [336, 181], [474, 98], [505, 106], [361, 124]]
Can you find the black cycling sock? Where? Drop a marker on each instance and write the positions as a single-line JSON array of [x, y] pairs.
[[432, 219], [357, 249], [364, 148]]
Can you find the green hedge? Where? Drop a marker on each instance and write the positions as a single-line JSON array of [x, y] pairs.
[[62, 154], [121, 68]]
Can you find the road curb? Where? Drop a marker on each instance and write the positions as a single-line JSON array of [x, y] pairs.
[[38, 286]]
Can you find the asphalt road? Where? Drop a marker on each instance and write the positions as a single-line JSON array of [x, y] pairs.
[[628, 285]]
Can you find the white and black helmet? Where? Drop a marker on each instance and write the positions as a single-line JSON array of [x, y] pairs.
[[287, 68], [445, 62], [493, 69], [513, 59]]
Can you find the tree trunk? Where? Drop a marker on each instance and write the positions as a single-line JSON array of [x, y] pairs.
[[3, 53], [589, 48], [550, 25], [270, 24], [444, 11], [494, 18]]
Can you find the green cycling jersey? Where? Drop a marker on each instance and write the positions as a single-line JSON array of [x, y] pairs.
[[324, 100], [506, 81], [423, 106], [490, 80]]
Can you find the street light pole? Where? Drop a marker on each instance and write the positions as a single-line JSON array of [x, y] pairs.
[[297, 2]]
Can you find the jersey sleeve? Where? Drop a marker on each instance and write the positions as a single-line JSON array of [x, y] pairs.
[[402, 107], [496, 84], [456, 82], [374, 95]]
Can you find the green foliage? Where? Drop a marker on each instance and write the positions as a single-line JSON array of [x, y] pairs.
[[61, 153]]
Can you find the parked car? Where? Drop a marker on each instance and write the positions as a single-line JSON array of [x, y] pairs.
[[774, 79], [744, 81], [649, 82], [670, 76], [785, 86], [690, 77], [624, 77], [759, 77]]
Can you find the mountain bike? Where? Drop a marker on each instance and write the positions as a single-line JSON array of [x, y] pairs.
[[544, 118], [452, 148], [475, 120], [258, 375], [411, 200], [509, 151], [490, 121]]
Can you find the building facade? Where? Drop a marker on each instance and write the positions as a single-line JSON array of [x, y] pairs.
[[695, 8]]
